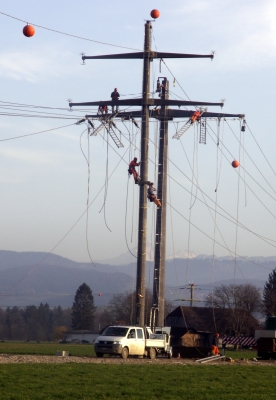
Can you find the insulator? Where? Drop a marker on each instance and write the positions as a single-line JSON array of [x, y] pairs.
[[158, 88], [243, 126]]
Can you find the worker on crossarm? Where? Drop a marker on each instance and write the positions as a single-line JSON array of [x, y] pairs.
[[103, 109], [151, 195], [115, 96], [196, 115], [132, 170]]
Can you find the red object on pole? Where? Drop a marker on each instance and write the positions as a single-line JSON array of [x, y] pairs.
[[28, 30], [155, 14], [235, 164]]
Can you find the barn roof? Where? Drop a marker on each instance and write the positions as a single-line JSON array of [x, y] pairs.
[[199, 319]]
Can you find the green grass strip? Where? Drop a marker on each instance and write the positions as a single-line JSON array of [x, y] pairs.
[[97, 381]]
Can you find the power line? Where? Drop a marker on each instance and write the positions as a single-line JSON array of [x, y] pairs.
[[35, 133], [33, 116], [200, 230], [68, 34], [195, 196], [235, 221], [38, 112], [61, 240]]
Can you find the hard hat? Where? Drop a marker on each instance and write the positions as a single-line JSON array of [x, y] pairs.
[[217, 334]]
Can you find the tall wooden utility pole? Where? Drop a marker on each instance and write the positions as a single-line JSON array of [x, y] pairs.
[[158, 306], [165, 114], [142, 224]]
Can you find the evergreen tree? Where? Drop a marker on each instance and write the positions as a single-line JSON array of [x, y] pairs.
[[83, 308], [269, 294]]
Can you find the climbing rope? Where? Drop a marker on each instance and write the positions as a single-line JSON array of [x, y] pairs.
[[87, 158]]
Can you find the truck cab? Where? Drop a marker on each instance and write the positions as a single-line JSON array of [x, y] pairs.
[[127, 341], [121, 340]]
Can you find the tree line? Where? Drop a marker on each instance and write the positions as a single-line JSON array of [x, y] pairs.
[[34, 323], [239, 305]]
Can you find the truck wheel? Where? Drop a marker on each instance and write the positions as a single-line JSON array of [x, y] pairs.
[[125, 353], [99, 355], [152, 353]]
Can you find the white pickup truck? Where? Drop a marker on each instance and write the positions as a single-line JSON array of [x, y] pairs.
[[127, 341]]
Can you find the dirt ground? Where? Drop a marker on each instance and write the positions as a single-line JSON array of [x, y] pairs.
[[33, 359]]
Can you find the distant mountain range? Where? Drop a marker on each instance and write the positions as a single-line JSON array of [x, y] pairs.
[[32, 277], [130, 256]]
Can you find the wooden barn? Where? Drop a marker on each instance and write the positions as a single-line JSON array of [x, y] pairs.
[[192, 330]]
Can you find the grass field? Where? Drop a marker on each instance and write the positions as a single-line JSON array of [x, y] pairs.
[[47, 349], [78, 350], [94, 381], [107, 381]]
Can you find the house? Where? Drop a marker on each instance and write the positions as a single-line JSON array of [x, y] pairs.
[[84, 336], [193, 330]]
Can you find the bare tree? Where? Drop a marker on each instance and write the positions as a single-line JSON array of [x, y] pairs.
[[243, 302], [122, 307]]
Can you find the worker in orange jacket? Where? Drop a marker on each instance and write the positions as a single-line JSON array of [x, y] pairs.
[[196, 115], [132, 170], [103, 109], [215, 350]]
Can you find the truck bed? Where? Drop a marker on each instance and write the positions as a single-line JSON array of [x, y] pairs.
[[157, 343]]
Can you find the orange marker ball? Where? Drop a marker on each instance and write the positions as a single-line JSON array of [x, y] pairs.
[[28, 30], [155, 14], [235, 164]]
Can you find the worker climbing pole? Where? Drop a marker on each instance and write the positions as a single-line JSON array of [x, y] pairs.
[[151, 195], [132, 170]]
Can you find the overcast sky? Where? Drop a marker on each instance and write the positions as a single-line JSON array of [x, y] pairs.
[[44, 177]]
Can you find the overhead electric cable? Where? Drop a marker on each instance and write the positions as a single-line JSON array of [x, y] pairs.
[[213, 218], [67, 34], [88, 190], [33, 116], [221, 208], [67, 233], [175, 79], [250, 188], [221, 245], [239, 141], [235, 221], [37, 112], [35, 133], [261, 150]]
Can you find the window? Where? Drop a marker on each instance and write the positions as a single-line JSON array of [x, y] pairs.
[[115, 331], [140, 333], [131, 334]]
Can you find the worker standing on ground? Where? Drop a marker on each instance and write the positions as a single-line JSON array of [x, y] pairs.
[[151, 195], [132, 170], [215, 350], [115, 96]]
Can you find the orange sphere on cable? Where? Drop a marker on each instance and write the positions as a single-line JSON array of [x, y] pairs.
[[235, 164], [155, 14], [29, 30]]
